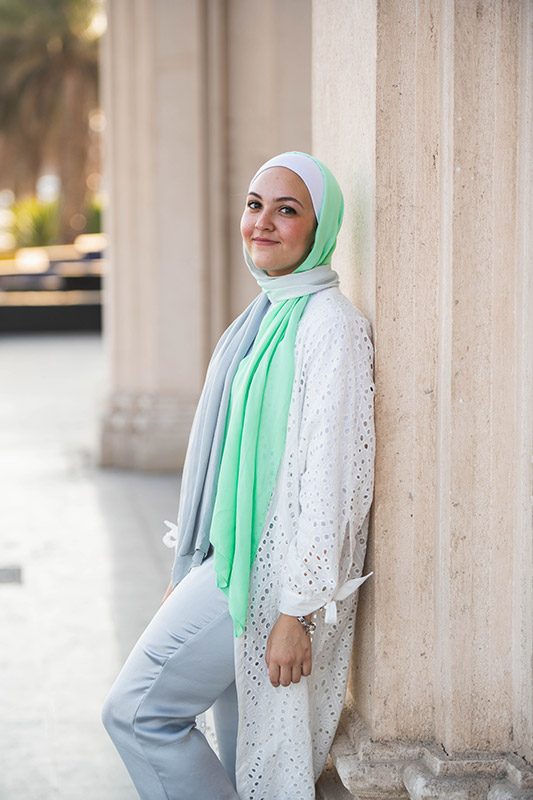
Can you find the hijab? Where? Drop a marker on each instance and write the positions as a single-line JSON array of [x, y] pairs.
[[238, 434]]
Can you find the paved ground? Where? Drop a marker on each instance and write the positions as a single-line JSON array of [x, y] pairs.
[[93, 569]]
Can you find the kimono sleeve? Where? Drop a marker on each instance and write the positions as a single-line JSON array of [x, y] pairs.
[[337, 445]]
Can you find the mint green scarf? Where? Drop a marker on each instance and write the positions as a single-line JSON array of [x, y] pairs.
[[256, 419]]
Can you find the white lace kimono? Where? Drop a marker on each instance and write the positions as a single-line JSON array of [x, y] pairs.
[[311, 554]]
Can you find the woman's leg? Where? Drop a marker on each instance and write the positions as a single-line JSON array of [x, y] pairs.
[[181, 664], [226, 719]]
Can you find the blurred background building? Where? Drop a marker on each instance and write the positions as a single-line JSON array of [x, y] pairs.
[[423, 112], [50, 165]]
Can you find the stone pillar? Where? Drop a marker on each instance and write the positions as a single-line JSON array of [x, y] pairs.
[[155, 331], [269, 106], [430, 108], [181, 82]]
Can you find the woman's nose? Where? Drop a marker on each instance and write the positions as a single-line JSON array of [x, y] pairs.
[[264, 219]]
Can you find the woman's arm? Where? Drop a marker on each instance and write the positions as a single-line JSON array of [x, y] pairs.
[[338, 441], [337, 438]]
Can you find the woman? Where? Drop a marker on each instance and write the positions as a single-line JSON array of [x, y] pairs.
[[258, 619]]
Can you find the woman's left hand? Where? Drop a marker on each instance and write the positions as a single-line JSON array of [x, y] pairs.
[[288, 652]]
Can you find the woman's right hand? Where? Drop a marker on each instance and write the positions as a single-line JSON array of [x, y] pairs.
[[167, 592], [288, 651]]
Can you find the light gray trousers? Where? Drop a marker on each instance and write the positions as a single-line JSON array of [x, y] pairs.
[[182, 664]]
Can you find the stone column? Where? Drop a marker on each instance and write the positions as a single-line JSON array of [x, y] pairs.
[[155, 330], [195, 97], [432, 142], [269, 106]]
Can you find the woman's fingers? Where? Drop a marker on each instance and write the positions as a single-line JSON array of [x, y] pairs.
[[285, 677], [306, 665], [273, 673], [285, 674]]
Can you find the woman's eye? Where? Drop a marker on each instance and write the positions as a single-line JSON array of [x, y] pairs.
[[254, 204]]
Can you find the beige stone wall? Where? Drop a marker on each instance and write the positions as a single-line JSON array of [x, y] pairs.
[[344, 133], [269, 106], [433, 148]]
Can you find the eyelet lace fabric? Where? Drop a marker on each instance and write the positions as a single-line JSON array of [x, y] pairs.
[[311, 554]]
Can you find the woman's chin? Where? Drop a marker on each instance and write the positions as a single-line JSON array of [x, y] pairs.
[[270, 265], [265, 263]]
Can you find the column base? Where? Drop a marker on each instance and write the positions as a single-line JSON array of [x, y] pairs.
[[370, 770], [329, 785], [145, 431]]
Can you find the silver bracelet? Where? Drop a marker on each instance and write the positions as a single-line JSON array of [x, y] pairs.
[[309, 626]]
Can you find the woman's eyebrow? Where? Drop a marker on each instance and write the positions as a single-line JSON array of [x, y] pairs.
[[278, 199]]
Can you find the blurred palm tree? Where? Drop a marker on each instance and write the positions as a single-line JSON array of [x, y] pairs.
[[48, 87]]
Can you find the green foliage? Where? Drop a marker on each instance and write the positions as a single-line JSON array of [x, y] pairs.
[[48, 88], [41, 42], [94, 215], [40, 17], [35, 222]]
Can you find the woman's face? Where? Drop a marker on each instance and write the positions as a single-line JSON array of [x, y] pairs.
[[278, 223]]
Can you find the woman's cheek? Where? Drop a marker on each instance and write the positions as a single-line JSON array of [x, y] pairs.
[[298, 232], [246, 227]]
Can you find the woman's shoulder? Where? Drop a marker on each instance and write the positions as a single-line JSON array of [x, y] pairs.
[[331, 315]]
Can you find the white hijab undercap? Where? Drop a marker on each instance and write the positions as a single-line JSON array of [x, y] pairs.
[[306, 169]]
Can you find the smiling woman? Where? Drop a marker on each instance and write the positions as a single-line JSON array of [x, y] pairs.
[[258, 619], [278, 230]]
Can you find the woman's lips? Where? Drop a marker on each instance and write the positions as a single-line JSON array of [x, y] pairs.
[[266, 242]]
